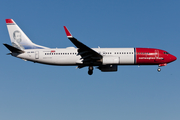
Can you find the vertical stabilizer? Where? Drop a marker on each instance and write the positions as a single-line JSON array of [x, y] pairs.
[[19, 38]]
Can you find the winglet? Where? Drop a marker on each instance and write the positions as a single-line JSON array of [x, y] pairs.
[[67, 32]]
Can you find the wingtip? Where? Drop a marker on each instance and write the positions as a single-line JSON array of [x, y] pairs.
[[67, 32]]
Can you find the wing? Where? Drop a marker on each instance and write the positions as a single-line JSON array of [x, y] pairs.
[[88, 55]]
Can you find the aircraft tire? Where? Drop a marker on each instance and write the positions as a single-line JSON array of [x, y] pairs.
[[159, 69], [90, 72]]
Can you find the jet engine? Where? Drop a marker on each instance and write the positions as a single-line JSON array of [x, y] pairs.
[[108, 68]]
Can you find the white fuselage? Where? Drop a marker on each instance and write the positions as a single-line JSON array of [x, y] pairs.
[[69, 56]]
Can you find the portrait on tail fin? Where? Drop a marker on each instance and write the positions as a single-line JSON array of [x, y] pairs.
[[17, 40]]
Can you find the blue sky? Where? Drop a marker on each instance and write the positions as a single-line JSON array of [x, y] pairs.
[[41, 92]]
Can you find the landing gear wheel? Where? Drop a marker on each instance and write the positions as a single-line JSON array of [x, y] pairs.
[[159, 69], [90, 72]]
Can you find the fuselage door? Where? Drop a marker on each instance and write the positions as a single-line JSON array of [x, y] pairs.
[[157, 54], [36, 54]]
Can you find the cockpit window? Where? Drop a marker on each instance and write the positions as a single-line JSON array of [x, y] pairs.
[[166, 53]]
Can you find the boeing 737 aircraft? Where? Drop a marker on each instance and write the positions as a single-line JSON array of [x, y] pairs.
[[105, 59]]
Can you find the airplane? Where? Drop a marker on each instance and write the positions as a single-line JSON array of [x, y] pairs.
[[105, 59]]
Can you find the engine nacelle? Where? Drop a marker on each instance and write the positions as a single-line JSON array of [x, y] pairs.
[[110, 60], [108, 68]]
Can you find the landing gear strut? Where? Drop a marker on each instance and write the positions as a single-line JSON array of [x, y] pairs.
[[159, 69], [90, 72]]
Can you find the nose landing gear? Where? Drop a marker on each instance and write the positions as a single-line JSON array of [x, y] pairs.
[[159, 69], [90, 72], [160, 65]]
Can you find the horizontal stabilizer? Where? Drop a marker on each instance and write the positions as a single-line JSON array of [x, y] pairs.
[[13, 49]]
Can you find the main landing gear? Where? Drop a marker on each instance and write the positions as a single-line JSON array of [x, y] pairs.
[[159, 69], [90, 72]]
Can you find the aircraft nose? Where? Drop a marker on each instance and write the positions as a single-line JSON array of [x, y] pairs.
[[173, 58]]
